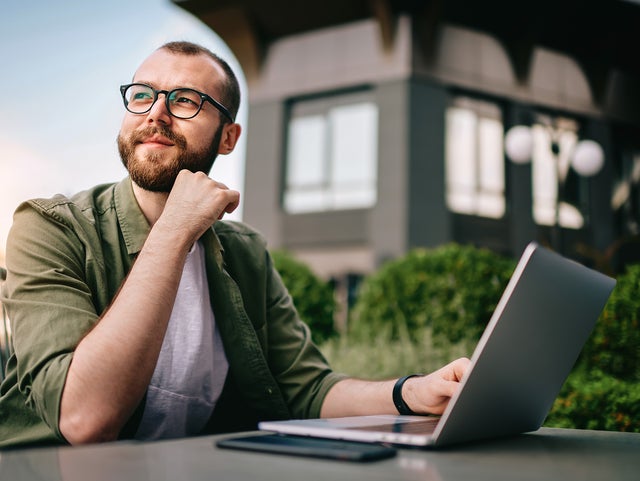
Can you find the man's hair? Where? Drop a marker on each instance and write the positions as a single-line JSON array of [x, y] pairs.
[[230, 87]]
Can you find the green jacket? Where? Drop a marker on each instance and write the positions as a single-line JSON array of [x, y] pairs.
[[66, 259]]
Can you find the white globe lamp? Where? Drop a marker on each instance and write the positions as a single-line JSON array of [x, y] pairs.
[[588, 158], [518, 144]]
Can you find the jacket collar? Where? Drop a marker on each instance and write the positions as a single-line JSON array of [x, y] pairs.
[[135, 228]]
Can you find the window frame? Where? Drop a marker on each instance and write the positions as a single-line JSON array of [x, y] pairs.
[[488, 109], [328, 187]]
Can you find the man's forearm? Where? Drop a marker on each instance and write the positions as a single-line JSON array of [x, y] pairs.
[[428, 394], [113, 364], [355, 397]]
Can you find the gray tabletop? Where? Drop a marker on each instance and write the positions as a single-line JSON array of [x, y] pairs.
[[546, 454]]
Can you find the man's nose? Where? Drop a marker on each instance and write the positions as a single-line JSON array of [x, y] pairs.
[[159, 112]]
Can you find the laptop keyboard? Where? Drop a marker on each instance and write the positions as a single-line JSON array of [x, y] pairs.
[[426, 426]]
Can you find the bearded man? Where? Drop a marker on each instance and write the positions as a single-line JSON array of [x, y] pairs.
[[137, 313]]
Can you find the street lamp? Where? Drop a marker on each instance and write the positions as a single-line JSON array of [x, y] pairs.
[[586, 157]]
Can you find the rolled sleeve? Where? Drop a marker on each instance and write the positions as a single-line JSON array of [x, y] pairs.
[[50, 307], [301, 370]]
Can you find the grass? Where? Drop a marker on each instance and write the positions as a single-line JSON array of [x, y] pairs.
[[382, 357]]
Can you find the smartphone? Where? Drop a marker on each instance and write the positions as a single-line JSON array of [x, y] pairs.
[[305, 446]]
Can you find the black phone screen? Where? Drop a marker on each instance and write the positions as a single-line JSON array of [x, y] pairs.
[[305, 446]]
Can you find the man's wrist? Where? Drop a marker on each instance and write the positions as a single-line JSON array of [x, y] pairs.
[[398, 399]]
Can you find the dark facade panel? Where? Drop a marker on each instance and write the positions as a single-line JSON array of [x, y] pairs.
[[347, 227]]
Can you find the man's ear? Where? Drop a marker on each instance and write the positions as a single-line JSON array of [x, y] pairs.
[[230, 135]]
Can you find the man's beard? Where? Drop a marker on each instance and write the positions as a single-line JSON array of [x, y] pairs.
[[156, 173]]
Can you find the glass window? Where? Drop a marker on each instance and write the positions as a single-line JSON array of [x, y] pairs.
[[332, 155], [475, 159]]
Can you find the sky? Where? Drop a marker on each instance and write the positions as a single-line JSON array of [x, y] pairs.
[[52, 50]]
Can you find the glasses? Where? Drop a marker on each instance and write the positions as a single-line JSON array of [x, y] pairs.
[[182, 103]]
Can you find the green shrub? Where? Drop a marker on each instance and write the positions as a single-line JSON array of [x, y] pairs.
[[312, 297], [596, 400], [614, 346], [453, 289]]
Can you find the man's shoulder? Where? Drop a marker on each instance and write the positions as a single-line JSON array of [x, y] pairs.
[[96, 198], [87, 213]]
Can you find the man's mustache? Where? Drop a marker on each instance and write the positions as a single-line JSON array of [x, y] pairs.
[[140, 136]]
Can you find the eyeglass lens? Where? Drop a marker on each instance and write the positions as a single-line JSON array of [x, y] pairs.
[[182, 103]]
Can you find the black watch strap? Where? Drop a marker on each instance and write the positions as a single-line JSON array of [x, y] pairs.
[[398, 401]]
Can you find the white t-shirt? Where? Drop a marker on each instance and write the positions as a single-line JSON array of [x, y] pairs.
[[192, 366]]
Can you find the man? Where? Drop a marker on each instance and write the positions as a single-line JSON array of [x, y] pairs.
[[137, 313]]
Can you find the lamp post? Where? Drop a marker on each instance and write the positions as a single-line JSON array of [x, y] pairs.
[[586, 157]]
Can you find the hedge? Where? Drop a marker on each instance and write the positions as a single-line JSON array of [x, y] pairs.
[[312, 297], [596, 400], [614, 346], [453, 289]]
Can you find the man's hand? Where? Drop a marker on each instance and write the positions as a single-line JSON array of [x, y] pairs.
[[196, 202], [430, 394]]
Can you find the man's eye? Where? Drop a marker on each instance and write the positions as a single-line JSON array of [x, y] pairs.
[[141, 96], [184, 100]]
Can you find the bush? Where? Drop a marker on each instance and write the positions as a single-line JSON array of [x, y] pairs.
[[453, 289], [596, 400], [614, 346], [312, 297]]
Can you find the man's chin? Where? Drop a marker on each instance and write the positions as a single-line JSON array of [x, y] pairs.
[[151, 156], [156, 187], [153, 181]]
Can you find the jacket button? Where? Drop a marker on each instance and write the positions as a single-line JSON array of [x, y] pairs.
[[269, 391]]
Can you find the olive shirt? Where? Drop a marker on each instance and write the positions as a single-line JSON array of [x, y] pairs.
[[66, 259]]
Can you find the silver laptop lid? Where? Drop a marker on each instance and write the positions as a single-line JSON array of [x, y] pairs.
[[528, 349]]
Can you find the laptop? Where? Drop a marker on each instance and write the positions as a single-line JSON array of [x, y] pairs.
[[525, 354]]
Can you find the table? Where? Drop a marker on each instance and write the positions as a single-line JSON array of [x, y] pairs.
[[547, 454]]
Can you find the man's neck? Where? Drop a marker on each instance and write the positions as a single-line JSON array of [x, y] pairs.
[[151, 203]]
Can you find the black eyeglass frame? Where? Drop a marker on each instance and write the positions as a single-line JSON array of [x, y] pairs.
[[167, 95]]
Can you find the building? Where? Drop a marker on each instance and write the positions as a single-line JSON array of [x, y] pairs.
[[376, 126]]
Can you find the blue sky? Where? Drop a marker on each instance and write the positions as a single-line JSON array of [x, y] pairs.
[[50, 51]]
